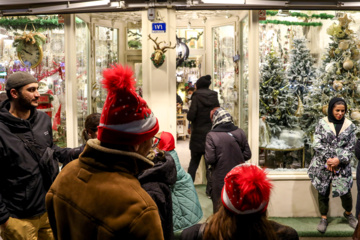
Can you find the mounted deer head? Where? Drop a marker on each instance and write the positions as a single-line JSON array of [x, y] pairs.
[[158, 57]]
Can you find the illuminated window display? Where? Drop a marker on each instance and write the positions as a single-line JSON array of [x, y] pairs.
[[306, 59]]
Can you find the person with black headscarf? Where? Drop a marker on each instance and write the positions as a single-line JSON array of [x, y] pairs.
[[226, 146], [334, 144]]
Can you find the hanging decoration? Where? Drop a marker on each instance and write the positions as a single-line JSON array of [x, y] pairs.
[[182, 51], [289, 23], [303, 15], [28, 38], [194, 38], [158, 57], [42, 24], [28, 46]]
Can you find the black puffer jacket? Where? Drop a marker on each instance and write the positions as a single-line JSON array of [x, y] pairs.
[[22, 194], [156, 181], [202, 102], [223, 152]]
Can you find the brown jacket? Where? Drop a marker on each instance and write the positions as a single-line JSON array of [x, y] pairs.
[[98, 197]]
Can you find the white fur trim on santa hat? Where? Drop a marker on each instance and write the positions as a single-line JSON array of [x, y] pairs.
[[227, 202], [137, 126]]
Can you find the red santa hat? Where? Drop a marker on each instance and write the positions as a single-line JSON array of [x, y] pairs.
[[126, 117], [246, 189]]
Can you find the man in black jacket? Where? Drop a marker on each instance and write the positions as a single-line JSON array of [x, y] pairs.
[[22, 188], [203, 101]]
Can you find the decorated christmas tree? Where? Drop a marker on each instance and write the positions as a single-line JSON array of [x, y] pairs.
[[340, 76], [301, 76], [277, 103]]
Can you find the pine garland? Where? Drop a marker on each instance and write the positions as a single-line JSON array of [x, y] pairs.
[[41, 24], [288, 23], [303, 15]]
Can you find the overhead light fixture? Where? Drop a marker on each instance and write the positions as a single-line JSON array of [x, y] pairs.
[[349, 4], [118, 4], [70, 6], [228, 15], [224, 1], [283, 13], [189, 25]]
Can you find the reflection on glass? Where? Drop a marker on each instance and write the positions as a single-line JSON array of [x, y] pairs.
[[134, 37], [244, 76], [223, 67], [47, 65], [82, 69], [106, 50], [193, 38], [138, 78]]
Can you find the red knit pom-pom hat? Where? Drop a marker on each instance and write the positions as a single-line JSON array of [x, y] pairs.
[[126, 117], [246, 189]]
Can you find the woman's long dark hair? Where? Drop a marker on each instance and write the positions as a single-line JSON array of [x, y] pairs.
[[225, 225]]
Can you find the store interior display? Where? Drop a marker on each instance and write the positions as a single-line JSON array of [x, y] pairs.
[[106, 53], [243, 110], [223, 67], [288, 65]]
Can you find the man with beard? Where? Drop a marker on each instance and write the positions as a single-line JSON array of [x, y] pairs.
[[23, 130]]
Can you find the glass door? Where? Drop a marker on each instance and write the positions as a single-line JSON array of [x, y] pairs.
[[106, 54]]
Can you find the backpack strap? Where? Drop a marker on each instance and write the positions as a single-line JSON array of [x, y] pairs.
[[235, 140], [29, 146]]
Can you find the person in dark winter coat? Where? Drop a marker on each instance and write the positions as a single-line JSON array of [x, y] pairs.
[[242, 215], [203, 101], [156, 181], [24, 129], [226, 146]]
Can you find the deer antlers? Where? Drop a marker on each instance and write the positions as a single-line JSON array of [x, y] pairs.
[[158, 45]]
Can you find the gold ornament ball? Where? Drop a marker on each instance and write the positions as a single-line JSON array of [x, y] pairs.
[[343, 45], [348, 64], [337, 85], [355, 115]]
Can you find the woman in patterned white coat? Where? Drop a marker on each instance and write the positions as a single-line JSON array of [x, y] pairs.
[[334, 145]]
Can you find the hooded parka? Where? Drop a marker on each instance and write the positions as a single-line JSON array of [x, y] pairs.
[[98, 196], [186, 207]]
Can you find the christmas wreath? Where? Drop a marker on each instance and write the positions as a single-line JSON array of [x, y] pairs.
[[161, 61]]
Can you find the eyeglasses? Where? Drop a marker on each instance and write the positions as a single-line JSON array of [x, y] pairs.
[[156, 142]]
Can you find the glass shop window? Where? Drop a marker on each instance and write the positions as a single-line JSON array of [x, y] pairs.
[[82, 75], [134, 38], [36, 45], [306, 58], [106, 53], [223, 68]]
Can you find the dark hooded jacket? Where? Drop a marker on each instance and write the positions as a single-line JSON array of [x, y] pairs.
[[156, 181], [22, 193], [223, 152], [202, 102]]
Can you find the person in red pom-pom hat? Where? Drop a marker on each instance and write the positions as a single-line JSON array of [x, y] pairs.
[[98, 196], [242, 215]]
